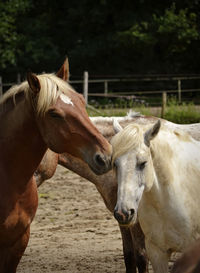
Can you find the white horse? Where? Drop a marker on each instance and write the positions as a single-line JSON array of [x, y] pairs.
[[158, 173]]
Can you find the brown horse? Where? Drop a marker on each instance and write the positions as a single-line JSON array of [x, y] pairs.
[[132, 238], [189, 262], [43, 112]]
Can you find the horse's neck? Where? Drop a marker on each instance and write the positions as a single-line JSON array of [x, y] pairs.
[[175, 192], [21, 145], [106, 184], [175, 158]]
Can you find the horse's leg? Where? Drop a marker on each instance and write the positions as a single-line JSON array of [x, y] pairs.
[[138, 242], [108, 191], [10, 258], [158, 258], [128, 250]]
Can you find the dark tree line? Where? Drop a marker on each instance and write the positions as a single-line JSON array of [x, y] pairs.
[[103, 36]]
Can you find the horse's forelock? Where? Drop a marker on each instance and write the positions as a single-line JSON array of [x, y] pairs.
[[127, 139], [51, 88], [47, 96]]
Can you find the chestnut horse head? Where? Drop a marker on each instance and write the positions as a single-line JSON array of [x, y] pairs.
[[62, 120]]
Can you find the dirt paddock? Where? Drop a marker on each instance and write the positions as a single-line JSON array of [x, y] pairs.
[[72, 231]]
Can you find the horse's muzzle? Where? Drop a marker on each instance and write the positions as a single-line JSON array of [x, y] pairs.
[[124, 217]]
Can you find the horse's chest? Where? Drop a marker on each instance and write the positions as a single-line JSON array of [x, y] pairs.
[[169, 226], [13, 226], [15, 217]]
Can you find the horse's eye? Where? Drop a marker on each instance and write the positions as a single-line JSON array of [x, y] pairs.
[[141, 165], [55, 114]]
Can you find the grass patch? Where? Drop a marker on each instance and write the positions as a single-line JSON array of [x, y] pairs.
[[44, 195], [117, 112], [184, 113]]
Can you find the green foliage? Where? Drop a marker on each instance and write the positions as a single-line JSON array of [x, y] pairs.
[[163, 37], [183, 114], [120, 112], [107, 112], [9, 38], [44, 195], [103, 37], [180, 27], [138, 35]]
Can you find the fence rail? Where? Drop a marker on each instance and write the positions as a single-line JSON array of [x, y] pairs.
[[86, 86], [87, 83]]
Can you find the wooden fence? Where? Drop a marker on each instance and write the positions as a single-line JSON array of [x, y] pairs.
[[85, 86], [8, 85], [87, 83]]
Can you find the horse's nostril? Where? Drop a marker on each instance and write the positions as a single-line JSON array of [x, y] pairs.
[[100, 160], [122, 216], [118, 216], [132, 212]]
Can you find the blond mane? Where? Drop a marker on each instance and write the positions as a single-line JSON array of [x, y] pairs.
[[127, 139], [51, 88]]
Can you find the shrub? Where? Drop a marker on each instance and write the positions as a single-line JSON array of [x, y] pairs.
[[184, 113]]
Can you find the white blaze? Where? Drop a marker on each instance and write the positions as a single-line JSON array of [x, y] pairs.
[[66, 99]]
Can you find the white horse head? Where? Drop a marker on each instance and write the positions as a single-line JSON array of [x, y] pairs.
[[135, 173]]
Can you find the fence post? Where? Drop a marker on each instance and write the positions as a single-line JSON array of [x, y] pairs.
[[164, 103], [18, 78], [1, 87], [179, 91], [105, 87], [85, 86]]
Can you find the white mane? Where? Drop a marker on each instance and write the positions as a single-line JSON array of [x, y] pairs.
[[51, 88]]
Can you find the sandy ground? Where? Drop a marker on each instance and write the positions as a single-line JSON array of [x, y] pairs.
[[72, 231]]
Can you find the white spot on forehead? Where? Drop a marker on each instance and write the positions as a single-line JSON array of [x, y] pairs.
[[66, 99]]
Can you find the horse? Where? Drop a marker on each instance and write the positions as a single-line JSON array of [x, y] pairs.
[[42, 112], [106, 184], [158, 173], [189, 262]]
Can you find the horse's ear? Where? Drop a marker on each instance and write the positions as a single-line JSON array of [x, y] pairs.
[[151, 133], [33, 82], [116, 126], [63, 72]]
